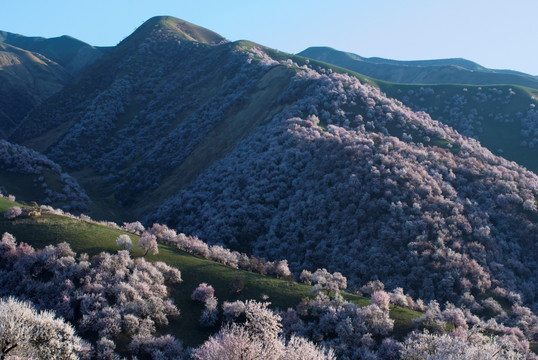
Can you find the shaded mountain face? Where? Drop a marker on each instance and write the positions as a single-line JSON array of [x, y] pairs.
[[26, 79], [70, 53], [274, 154], [160, 100], [445, 71], [33, 68]]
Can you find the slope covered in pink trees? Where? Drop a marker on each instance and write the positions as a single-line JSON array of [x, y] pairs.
[[109, 296], [356, 182], [58, 188], [335, 176]]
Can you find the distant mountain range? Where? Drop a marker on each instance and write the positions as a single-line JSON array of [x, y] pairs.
[[443, 71]]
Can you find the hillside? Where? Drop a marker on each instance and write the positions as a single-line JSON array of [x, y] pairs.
[[26, 79], [93, 238], [33, 68], [286, 158], [443, 71], [502, 117], [34, 177], [70, 53]]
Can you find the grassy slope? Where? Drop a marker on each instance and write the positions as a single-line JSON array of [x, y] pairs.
[[92, 239]]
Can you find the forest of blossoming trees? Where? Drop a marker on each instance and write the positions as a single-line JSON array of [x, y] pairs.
[[440, 221], [341, 188], [120, 297]]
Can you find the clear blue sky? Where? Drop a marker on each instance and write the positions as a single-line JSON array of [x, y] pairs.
[[494, 33]]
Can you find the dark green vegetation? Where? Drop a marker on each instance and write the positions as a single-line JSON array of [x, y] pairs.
[[93, 238], [444, 71]]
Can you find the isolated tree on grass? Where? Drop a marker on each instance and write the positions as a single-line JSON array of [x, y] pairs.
[[124, 242], [25, 333], [148, 242]]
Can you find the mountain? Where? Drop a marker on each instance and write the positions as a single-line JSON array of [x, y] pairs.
[[155, 95], [70, 53], [443, 71], [34, 68], [278, 155], [26, 79]]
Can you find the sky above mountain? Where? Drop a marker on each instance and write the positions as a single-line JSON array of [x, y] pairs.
[[495, 33]]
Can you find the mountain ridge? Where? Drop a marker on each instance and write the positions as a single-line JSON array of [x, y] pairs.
[[441, 71]]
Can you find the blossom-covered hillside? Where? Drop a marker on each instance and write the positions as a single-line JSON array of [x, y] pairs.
[[349, 179], [35, 177], [265, 152]]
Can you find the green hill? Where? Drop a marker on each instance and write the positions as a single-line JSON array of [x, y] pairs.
[[92, 238], [444, 71]]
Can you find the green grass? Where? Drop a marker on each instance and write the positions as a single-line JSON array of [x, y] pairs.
[[92, 238]]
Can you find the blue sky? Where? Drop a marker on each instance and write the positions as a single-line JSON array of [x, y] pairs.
[[494, 33]]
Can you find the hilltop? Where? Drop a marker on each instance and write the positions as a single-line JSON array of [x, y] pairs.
[[72, 54]]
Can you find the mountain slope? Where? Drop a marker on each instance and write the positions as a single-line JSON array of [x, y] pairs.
[[34, 68], [26, 79], [154, 96], [445, 71], [502, 117], [72, 54], [33, 177], [92, 238], [274, 153]]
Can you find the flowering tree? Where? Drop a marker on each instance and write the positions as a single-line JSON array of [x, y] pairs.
[[12, 212], [203, 292], [148, 242], [124, 242], [25, 333], [469, 345]]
